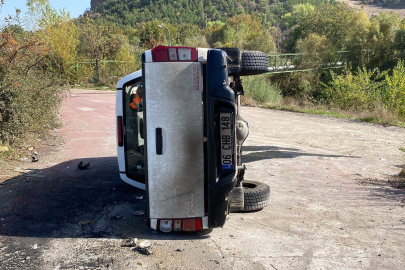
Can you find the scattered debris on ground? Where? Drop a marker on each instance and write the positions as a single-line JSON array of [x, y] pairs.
[[131, 242], [117, 217], [83, 167], [145, 247], [138, 213]]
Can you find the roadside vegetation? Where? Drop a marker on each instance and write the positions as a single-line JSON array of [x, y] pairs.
[[30, 93], [45, 52]]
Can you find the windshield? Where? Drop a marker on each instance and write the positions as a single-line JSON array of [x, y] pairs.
[[134, 142]]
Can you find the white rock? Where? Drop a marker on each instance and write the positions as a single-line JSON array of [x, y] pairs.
[[132, 242], [144, 244]]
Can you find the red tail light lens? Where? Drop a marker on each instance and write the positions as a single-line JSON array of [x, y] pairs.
[[192, 225], [119, 131], [160, 54], [198, 224], [187, 225], [174, 54]]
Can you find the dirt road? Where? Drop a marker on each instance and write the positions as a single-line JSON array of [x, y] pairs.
[[331, 205]]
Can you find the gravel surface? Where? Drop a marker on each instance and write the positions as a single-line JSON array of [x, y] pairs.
[[332, 206]]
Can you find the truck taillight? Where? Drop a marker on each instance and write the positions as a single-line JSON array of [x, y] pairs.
[[192, 225], [119, 131], [174, 54], [187, 225]]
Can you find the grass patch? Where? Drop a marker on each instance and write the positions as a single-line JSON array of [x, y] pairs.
[[307, 110], [371, 119], [382, 121], [322, 112], [319, 110], [398, 124]]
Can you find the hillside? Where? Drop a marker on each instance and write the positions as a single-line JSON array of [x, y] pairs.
[[199, 12], [96, 3]]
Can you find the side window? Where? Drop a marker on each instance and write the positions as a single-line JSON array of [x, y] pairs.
[[134, 141]]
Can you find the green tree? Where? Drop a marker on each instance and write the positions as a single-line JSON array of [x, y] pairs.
[[58, 31], [336, 23], [384, 54], [292, 18], [263, 42], [151, 35], [317, 50]]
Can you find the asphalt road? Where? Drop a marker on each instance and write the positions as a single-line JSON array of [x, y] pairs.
[[331, 203]]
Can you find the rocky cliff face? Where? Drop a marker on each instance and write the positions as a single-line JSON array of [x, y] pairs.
[[95, 3]]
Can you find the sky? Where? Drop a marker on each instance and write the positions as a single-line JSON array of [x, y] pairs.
[[75, 7]]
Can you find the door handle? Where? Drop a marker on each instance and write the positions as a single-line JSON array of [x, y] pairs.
[[159, 141]]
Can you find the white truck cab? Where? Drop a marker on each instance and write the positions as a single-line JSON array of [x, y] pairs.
[[180, 133]]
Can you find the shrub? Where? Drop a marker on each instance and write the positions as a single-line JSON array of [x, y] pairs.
[[302, 86], [29, 94], [369, 91], [261, 90], [360, 92], [394, 90]]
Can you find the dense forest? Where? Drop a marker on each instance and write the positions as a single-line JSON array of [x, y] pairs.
[[45, 51], [197, 12]]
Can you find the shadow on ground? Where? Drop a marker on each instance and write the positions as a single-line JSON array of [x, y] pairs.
[[255, 153], [64, 202], [390, 187]]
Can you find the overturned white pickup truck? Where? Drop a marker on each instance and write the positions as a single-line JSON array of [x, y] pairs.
[[180, 135]]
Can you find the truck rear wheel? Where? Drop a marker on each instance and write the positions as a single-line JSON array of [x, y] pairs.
[[256, 195], [254, 63]]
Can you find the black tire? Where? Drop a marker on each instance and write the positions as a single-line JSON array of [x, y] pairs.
[[256, 195], [254, 63]]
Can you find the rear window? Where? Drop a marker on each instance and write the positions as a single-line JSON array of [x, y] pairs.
[[133, 139]]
